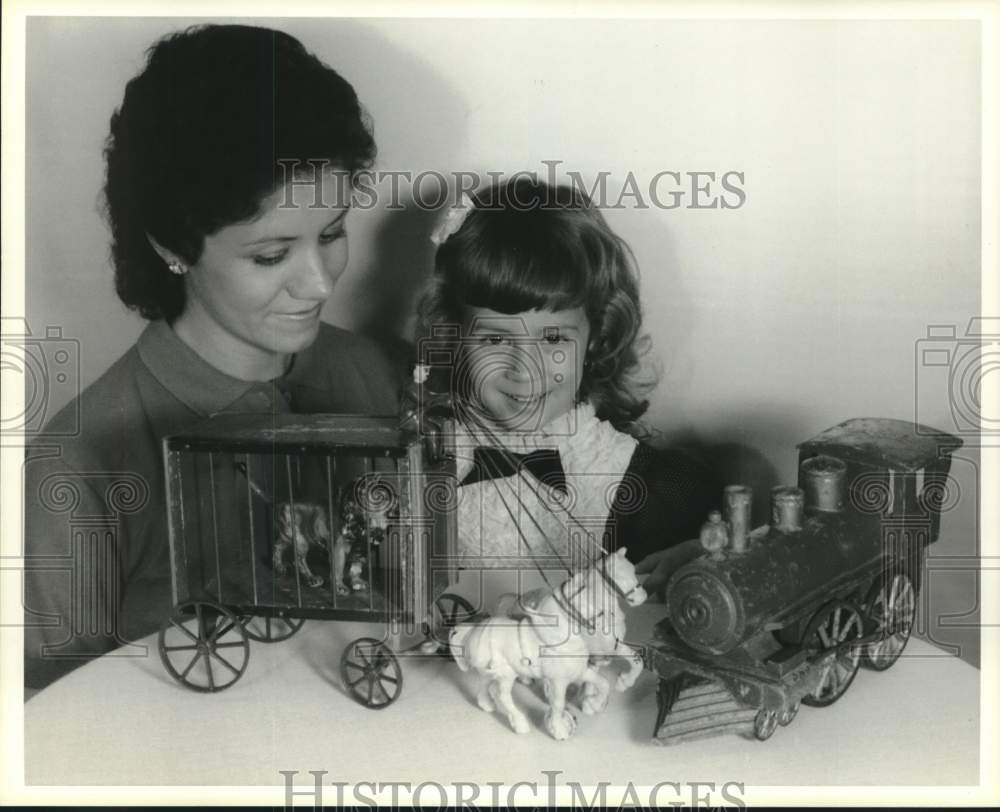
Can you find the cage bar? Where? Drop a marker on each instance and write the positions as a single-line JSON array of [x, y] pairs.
[[215, 524], [253, 539], [295, 530]]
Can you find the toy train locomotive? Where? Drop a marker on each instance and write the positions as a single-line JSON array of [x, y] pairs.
[[785, 614]]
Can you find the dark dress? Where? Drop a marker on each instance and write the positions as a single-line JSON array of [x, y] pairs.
[[680, 491]]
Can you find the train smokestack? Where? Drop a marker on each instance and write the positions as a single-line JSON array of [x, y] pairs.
[[822, 479], [738, 501], [787, 504]]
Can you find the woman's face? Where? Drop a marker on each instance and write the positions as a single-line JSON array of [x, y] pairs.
[[255, 295], [522, 371]]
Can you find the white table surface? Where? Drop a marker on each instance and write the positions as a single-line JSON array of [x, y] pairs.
[[124, 721]]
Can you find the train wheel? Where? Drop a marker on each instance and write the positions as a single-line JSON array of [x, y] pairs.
[[892, 604], [765, 723], [371, 673], [204, 646], [271, 629], [833, 627], [785, 717], [447, 612]]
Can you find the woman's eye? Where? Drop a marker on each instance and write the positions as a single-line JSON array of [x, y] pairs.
[[494, 340], [554, 338], [270, 259], [332, 236]]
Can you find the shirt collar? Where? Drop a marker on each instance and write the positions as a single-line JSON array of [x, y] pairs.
[[576, 428], [185, 374], [554, 434]]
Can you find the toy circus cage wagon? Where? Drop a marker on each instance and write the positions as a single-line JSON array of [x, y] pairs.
[[274, 519]]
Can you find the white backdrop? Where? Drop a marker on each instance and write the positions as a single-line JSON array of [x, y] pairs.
[[858, 144]]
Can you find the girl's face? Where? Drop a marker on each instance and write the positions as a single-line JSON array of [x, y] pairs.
[[255, 295], [522, 371]]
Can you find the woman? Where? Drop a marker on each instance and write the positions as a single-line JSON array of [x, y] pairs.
[[229, 169]]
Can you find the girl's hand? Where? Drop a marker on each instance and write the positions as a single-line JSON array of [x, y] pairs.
[[664, 563]]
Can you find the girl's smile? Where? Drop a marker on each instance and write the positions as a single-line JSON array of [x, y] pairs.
[[524, 399]]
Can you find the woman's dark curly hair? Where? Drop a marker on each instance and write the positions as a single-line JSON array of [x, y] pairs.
[[204, 134], [530, 246]]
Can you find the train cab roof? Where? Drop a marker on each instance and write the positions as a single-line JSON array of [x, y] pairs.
[[896, 444]]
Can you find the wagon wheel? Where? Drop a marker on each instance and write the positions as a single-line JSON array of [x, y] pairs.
[[447, 612], [892, 604], [765, 723], [785, 717], [371, 673], [204, 646], [271, 629], [834, 626]]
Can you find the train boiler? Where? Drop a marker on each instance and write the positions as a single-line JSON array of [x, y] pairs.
[[786, 613]]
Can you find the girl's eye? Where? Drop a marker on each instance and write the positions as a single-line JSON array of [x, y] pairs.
[[332, 236], [494, 340], [554, 338], [270, 259]]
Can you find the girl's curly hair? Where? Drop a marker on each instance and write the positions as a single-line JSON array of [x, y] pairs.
[[525, 246], [204, 133]]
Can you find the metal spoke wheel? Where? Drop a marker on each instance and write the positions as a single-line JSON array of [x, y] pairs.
[[371, 673], [785, 717], [204, 646], [446, 613], [892, 604], [271, 629], [765, 723], [834, 627]]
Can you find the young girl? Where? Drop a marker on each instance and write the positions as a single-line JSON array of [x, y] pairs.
[[532, 322]]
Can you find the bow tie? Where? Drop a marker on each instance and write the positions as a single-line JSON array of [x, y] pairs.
[[497, 463]]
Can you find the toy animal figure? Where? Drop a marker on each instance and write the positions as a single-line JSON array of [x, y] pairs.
[[604, 637], [358, 529], [551, 640], [356, 574], [301, 525]]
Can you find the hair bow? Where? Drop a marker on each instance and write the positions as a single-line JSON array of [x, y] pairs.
[[453, 219]]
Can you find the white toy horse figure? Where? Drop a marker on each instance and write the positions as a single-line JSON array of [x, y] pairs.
[[550, 640], [604, 636]]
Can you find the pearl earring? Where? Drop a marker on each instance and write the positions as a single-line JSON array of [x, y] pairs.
[[177, 268]]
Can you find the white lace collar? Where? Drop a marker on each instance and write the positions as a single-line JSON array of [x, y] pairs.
[[585, 443], [493, 516]]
